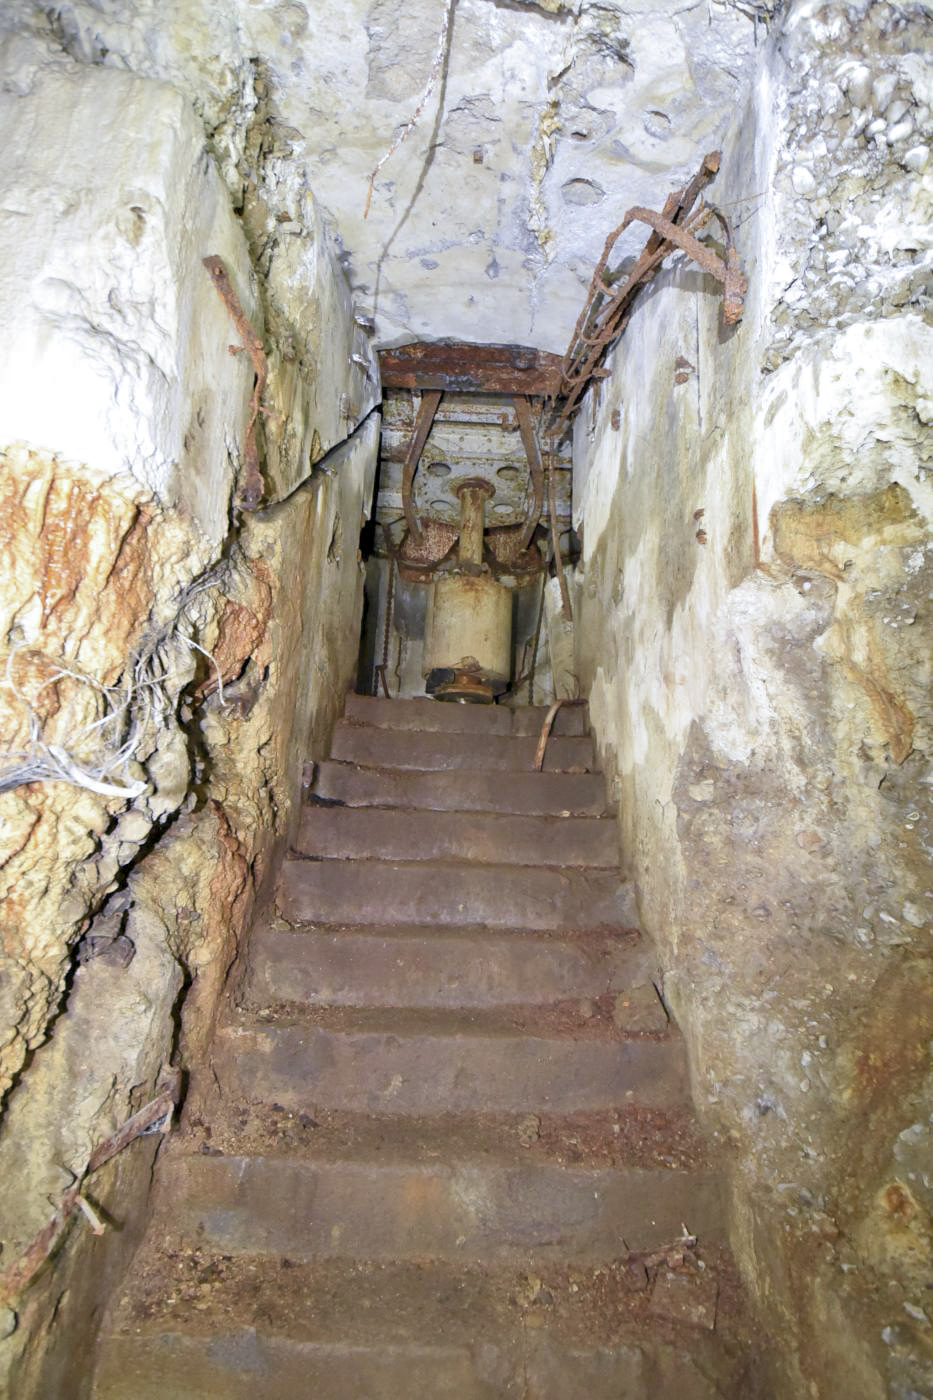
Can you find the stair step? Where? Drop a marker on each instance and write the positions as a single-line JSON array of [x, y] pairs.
[[385, 833], [439, 893], [633, 1136], [200, 1326], [439, 750], [412, 968], [534, 794], [467, 1211], [408, 1072], [427, 715], [254, 1365]]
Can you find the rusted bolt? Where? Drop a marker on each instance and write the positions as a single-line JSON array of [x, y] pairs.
[[701, 537], [616, 419], [478, 156], [699, 514]]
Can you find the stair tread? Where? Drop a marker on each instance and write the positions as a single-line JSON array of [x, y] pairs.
[[433, 892], [384, 785], [426, 714], [251, 1365], [627, 1136], [418, 967], [194, 1323], [302, 1065], [392, 1209], [392, 833], [451, 751], [374, 1303]]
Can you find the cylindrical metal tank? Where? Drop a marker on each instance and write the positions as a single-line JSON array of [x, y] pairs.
[[468, 628]]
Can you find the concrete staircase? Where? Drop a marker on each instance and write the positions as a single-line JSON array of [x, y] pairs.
[[446, 1147]]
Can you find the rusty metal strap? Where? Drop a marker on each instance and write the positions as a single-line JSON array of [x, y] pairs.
[[426, 412], [154, 1116]]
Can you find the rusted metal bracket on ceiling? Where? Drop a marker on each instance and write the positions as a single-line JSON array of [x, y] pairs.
[[513, 370], [471, 369]]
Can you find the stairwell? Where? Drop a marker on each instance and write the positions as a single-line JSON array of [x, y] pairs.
[[445, 1148]]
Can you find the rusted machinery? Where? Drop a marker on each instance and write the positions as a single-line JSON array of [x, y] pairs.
[[468, 631], [469, 538]]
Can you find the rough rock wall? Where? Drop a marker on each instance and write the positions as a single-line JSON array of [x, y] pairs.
[[753, 628], [544, 124], [168, 662]]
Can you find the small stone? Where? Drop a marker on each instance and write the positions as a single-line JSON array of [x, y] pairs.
[[883, 90], [702, 792], [809, 840], [900, 131], [858, 86], [529, 1130], [802, 180], [8, 1322], [916, 158], [641, 1009]]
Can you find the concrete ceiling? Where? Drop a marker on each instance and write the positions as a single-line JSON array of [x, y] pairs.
[[546, 123]]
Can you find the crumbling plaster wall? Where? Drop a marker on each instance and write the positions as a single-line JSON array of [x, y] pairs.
[[753, 629], [216, 646]]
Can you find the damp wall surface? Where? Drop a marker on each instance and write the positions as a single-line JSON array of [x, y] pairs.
[[169, 660], [752, 625]]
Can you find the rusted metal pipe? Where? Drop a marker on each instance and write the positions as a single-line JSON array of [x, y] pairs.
[[473, 493]]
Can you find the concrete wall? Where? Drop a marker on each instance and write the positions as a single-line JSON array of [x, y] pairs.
[[751, 628], [168, 661]]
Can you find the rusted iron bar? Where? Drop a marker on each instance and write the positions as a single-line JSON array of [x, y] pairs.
[[252, 486], [419, 437], [477, 369], [159, 1110], [545, 734], [607, 309], [532, 452]]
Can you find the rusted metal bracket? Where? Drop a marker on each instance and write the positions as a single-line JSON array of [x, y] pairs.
[[155, 1116], [470, 369], [426, 412], [532, 452], [608, 307]]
